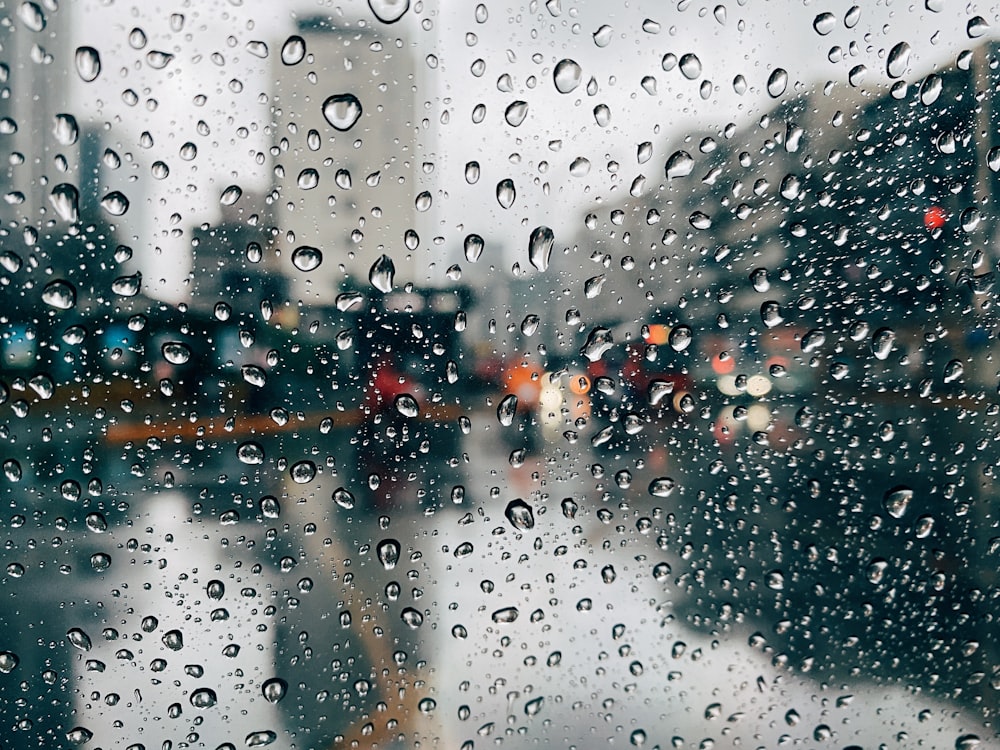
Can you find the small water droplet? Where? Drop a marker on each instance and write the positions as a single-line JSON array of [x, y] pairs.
[[474, 245], [79, 735], [897, 500], [599, 341], [65, 199], [602, 37], [407, 405], [306, 258], [412, 617], [344, 498], [258, 49], [690, 66], [515, 113], [303, 472], [66, 130], [79, 639], [898, 60], [173, 639], [662, 487], [176, 352], [388, 553], [505, 614], [680, 164], [680, 338], [274, 689], [260, 738]]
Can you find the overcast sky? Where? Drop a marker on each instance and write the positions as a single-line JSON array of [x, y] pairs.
[[524, 41]]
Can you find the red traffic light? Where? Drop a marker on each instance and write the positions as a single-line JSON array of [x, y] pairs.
[[934, 218]]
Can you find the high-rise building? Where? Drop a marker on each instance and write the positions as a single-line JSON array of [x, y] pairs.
[[344, 158]]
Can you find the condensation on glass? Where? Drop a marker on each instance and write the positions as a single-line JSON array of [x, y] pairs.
[[415, 374]]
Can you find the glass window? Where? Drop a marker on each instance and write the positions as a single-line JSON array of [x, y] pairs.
[[563, 374]]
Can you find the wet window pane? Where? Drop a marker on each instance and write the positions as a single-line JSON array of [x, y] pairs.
[[561, 374]]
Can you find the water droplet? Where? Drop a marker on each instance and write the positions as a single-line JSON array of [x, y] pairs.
[[274, 689], [79, 639], [388, 553], [690, 66], [115, 203], [407, 405], [520, 515], [65, 199], [770, 314], [856, 75], [188, 151], [59, 294], [648, 84], [602, 115], [303, 472], [775, 580], [529, 326], [342, 111], [662, 487], [230, 195], [100, 561], [412, 617], [777, 82], [540, 247], [680, 164], [898, 60], [306, 258], [976, 27], [599, 340], [602, 37], [876, 570], [897, 500], [250, 453], [260, 739], [505, 614], [515, 113], [824, 23], [506, 410], [474, 245], [308, 179], [293, 51], [254, 375], [472, 172], [700, 220], [8, 662], [157, 59], [344, 498], [381, 274], [175, 352], [580, 167], [31, 16], [882, 341], [79, 735], [203, 698], [88, 63], [680, 338], [567, 76], [389, 11], [506, 193], [953, 371], [66, 130]]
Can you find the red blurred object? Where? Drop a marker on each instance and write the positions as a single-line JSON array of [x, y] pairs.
[[934, 218]]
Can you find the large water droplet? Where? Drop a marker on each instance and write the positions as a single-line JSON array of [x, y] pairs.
[[260, 739], [250, 453], [65, 199], [520, 515], [344, 498], [176, 352], [506, 410], [274, 689], [882, 341], [389, 11], [976, 27], [505, 614], [567, 76], [680, 164], [8, 662], [79, 735], [898, 60], [88, 63], [662, 487], [31, 16], [127, 286], [342, 111], [474, 245], [506, 193], [407, 405], [173, 639], [412, 617], [599, 340], [515, 113], [115, 203], [303, 472], [777, 82], [382, 273], [824, 23], [690, 66], [293, 51], [79, 639], [66, 130], [897, 501], [203, 698], [540, 247], [680, 338], [59, 294], [388, 553], [254, 375], [306, 258]]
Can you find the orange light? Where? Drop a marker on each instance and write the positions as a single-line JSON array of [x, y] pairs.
[[657, 334], [723, 365]]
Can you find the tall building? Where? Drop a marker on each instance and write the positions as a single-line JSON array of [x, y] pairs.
[[343, 157]]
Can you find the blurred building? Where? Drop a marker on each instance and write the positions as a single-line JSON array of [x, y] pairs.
[[343, 157]]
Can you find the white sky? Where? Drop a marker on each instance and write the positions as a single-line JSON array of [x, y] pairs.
[[522, 40]]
